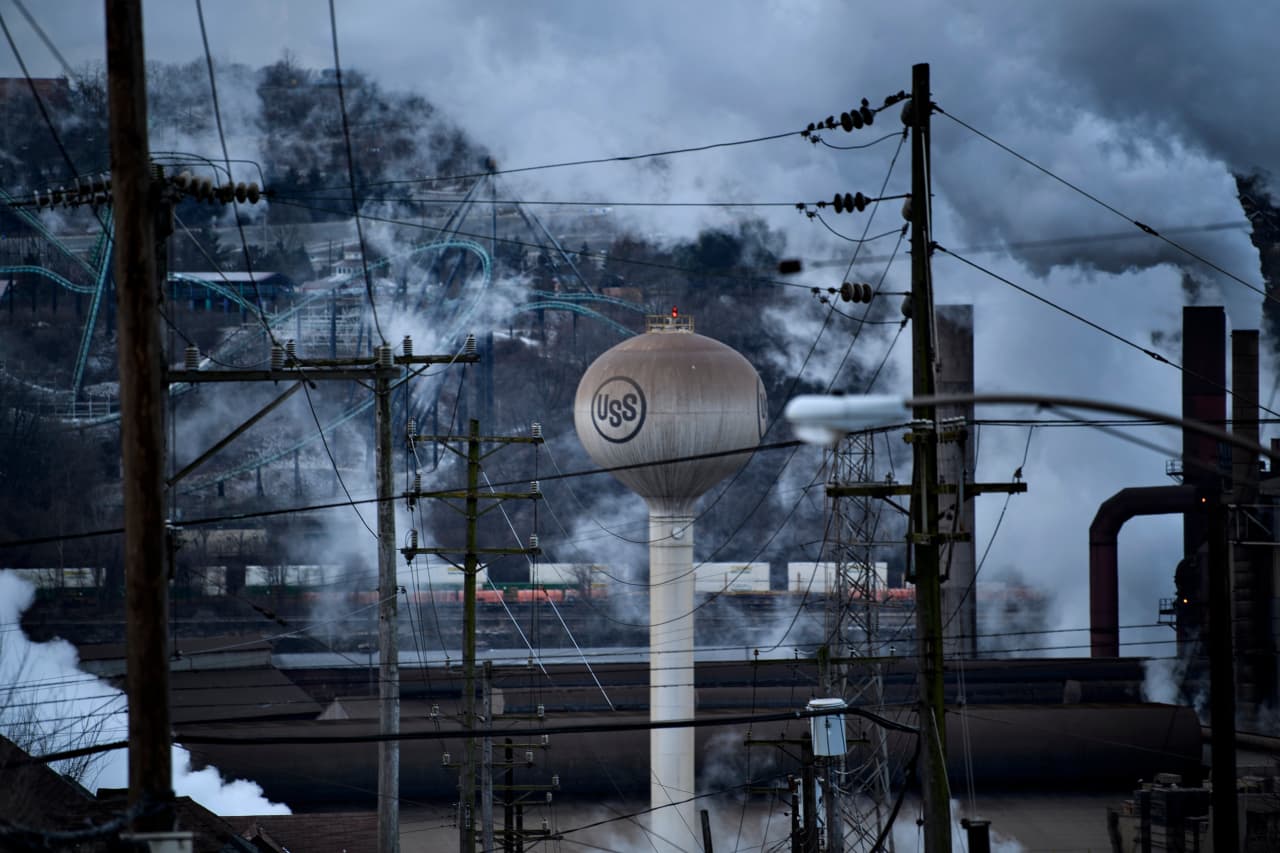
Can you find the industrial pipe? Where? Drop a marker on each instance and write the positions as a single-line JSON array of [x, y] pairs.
[[1104, 584]]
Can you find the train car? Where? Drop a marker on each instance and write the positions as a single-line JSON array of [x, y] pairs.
[[820, 578], [731, 578], [573, 578]]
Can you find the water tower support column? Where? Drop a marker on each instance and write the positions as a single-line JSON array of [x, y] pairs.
[[671, 751]]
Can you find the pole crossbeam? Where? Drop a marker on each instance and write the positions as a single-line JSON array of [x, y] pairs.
[[884, 490]]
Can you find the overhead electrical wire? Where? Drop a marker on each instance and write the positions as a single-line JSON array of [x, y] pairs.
[[884, 138], [569, 163], [526, 202], [717, 721], [222, 139], [306, 390], [821, 220], [795, 379], [706, 273], [351, 172], [1095, 326], [1141, 226], [995, 531], [875, 206], [40, 105], [48, 43], [47, 684]]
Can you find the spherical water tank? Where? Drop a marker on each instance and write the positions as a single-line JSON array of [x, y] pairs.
[[670, 394]]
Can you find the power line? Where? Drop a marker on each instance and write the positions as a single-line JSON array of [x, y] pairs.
[[333, 463], [525, 202], [565, 657], [35, 25], [569, 163], [351, 171], [887, 136], [590, 728], [1096, 326], [222, 139], [35, 94], [421, 226], [1141, 226], [847, 238], [973, 582], [242, 516]]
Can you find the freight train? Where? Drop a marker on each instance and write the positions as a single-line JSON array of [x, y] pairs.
[[439, 581]]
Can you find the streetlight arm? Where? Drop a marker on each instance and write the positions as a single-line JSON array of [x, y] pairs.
[[825, 419], [1054, 401]]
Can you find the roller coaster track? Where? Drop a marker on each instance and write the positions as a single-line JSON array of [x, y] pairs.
[[363, 406], [103, 276], [67, 284], [96, 413], [458, 325], [588, 297], [34, 221], [555, 305]]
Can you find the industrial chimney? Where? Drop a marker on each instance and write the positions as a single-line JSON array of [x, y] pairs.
[[670, 394]]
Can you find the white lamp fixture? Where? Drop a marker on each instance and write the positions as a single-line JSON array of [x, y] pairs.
[[825, 419]]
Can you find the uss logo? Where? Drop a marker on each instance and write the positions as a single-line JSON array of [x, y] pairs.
[[618, 409]]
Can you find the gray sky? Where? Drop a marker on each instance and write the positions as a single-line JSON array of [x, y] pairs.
[[1149, 105]]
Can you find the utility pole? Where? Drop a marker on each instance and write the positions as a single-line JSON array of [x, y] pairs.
[[382, 369], [809, 797], [471, 551], [467, 838], [136, 197], [388, 602], [486, 758], [508, 803], [924, 496]]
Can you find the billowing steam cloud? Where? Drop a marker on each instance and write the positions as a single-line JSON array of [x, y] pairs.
[[1152, 108], [50, 705]]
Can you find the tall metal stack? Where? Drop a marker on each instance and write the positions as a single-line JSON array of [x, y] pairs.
[[672, 404]]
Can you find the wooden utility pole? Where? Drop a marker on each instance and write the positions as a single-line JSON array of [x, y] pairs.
[[382, 369], [471, 564], [809, 797], [924, 476], [486, 759], [508, 803], [471, 552], [136, 196], [388, 602]]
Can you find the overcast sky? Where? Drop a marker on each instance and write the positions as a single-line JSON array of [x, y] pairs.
[[1149, 105]]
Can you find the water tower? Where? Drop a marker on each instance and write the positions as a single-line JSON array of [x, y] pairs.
[[670, 394]]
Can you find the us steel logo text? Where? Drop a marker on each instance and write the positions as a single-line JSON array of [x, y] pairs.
[[618, 409]]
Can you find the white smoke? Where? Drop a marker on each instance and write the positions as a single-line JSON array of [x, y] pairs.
[[51, 705], [906, 834], [1157, 131], [1162, 680]]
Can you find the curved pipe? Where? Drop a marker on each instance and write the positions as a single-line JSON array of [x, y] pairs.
[[1104, 583]]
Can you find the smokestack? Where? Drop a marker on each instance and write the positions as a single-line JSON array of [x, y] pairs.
[[1204, 378], [1244, 411], [1251, 581]]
